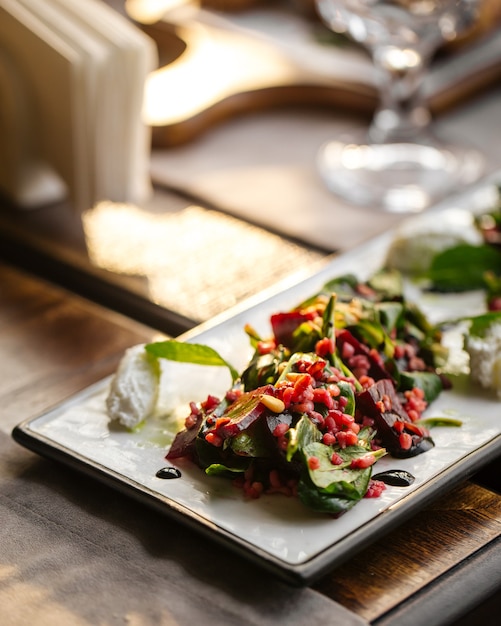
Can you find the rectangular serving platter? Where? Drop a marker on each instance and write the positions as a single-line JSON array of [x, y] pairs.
[[275, 532]]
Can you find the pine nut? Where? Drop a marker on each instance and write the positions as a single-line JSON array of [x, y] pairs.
[[274, 404]]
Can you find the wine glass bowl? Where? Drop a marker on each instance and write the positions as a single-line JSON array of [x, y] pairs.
[[398, 164]]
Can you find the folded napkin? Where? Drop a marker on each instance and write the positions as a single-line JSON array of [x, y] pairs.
[[73, 72]]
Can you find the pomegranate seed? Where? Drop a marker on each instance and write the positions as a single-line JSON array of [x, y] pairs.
[[280, 429], [210, 404], [282, 442], [375, 489], [336, 459], [399, 352], [405, 441], [275, 479], [313, 463], [214, 439], [335, 391], [363, 462], [347, 351], [494, 303], [324, 347], [346, 438], [255, 490], [265, 347], [330, 424], [413, 415]]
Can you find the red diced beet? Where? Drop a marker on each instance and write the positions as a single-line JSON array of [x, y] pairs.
[[363, 462], [313, 463], [375, 489], [405, 441], [381, 404]]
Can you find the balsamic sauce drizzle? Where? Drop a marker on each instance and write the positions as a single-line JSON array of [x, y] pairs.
[[395, 478], [168, 473]]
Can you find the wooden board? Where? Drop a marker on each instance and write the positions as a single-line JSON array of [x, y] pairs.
[[53, 343], [197, 86]]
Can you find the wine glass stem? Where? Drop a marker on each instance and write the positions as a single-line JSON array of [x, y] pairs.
[[402, 114]]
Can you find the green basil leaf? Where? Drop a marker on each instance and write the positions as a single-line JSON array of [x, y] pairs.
[[301, 436], [462, 267], [481, 323], [338, 480], [429, 382], [433, 422], [218, 469], [328, 318], [321, 502], [333, 489], [183, 352], [388, 283], [347, 392]]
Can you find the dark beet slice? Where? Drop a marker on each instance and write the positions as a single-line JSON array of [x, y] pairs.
[[377, 369], [394, 427], [243, 412], [284, 325], [240, 415], [184, 441]]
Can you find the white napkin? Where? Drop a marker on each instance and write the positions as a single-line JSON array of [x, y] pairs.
[[78, 70]]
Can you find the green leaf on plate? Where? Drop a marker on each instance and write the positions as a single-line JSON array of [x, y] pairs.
[[182, 352], [481, 323], [463, 267], [429, 382], [433, 422]]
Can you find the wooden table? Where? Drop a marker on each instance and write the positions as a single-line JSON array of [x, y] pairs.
[[434, 569], [441, 567]]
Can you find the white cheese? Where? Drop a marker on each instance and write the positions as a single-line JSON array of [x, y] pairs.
[[419, 239], [134, 388], [485, 358]]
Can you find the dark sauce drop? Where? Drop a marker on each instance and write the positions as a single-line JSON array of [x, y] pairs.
[[395, 478], [168, 473]]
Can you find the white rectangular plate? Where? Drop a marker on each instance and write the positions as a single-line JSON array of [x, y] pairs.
[[275, 531]]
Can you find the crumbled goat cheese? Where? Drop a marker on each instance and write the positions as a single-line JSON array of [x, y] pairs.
[[134, 388], [485, 358], [420, 238]]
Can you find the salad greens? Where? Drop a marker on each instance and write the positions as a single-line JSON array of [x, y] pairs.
[[465, 267], [342, 380], [189, 353]]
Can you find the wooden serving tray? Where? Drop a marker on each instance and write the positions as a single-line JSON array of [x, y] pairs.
[[199, 83]]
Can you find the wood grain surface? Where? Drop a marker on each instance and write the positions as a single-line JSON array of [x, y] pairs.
[[402, 563], [53, 343]]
